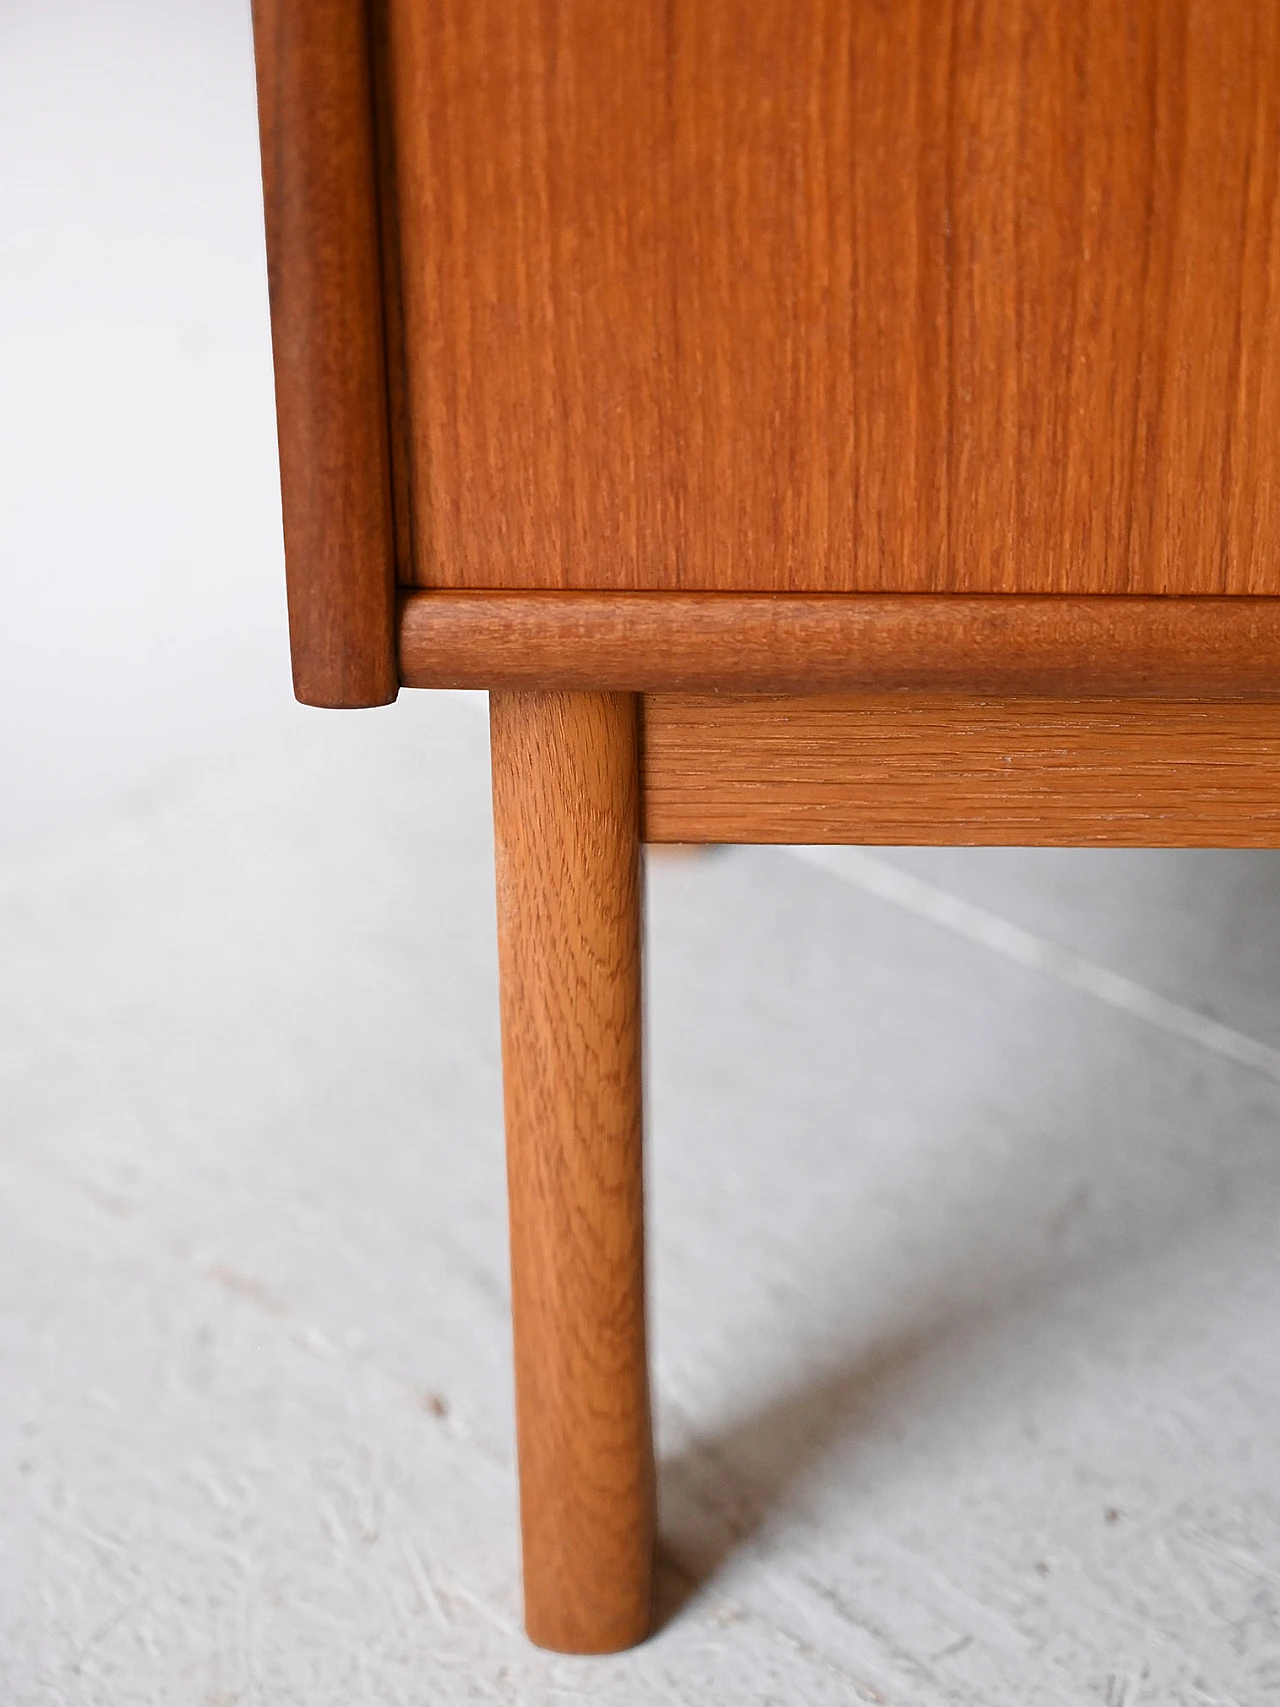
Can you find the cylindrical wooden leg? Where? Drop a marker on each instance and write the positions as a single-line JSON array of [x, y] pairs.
[[566, 830]]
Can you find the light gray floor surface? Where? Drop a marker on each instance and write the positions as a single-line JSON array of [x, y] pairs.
[[965, 1275]]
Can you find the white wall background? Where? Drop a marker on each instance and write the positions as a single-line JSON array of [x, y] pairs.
[[142, 615]]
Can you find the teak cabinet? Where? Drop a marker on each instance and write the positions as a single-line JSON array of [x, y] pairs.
[[811, 419]]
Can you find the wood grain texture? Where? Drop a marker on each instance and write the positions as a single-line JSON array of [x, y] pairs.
[[779, 643], [324, 270], [566, 829], [396, 381], [932, 770], [831, 295]]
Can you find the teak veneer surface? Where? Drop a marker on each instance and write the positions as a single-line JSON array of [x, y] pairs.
[[780, 643], [326, 277], [933, 769], [830, 295]]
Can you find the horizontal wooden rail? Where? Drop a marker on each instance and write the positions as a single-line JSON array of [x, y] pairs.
[[932, 769], [782, 643]]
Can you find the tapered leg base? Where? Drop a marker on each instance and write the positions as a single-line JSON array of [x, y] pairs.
[[566, 830]]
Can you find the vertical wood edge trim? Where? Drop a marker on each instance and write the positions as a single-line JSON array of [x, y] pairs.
[[320, 192], [388, 205]]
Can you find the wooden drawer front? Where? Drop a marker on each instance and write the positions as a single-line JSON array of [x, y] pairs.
[[841, 295]]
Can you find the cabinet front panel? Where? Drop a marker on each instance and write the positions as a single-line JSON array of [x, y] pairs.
[[836, 295]]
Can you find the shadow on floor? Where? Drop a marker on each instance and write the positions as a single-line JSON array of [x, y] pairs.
[[1161, 1145]]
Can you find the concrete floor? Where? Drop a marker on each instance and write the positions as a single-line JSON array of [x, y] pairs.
[[966, 1281], [965, 1264]]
